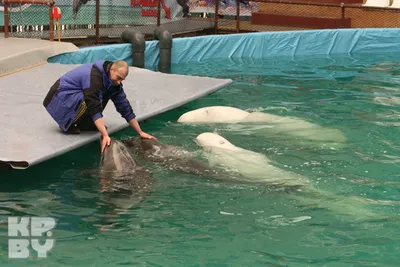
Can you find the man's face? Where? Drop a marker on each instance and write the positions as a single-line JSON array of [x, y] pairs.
[[117, 75]]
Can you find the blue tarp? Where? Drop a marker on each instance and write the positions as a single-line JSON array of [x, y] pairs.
[[251, 45]]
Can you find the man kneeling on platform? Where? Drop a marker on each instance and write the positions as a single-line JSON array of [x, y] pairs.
[[77, 99]]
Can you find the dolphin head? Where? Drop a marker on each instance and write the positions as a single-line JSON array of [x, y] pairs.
[[148, 144], [213, 114], [124, 183], [133, 143], [212, 140], [116, 157], [142, 145]]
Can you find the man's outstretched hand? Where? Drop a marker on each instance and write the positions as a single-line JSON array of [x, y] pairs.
[[146, 136], [105, 142], [135, 125]]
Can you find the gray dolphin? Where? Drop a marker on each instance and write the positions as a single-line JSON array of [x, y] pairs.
[[172, 157], [124, 181], [180, 159]]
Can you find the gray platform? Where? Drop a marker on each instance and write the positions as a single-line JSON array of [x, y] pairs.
[[19, 53], [30, 136]]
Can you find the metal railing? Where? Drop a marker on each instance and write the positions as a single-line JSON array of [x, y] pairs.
[[21, 3], [101, 19]]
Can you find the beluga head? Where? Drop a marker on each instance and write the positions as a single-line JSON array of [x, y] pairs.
[[210, 140], [213, 114]]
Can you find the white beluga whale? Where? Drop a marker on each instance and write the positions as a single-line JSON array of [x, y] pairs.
[[265, 124], [215, 114], [257, 168], [254, 167]]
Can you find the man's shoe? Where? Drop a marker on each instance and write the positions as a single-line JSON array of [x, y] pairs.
[[73, 130]]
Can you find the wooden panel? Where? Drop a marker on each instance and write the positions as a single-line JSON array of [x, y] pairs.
[[326, 1], [299, 10], [370, 18], [339, 1], [299, 21], [360, 17]]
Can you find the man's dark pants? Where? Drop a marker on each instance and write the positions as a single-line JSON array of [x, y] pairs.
[[83, 122]]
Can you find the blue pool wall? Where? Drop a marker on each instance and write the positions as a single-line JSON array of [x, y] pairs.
[[250, 45]]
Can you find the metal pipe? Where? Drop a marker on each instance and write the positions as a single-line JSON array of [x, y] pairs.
[[51, 30], [158, 12], [342, 7], [165, 41], [5, 19], [136, 39], [97, 21], [237, 15], [216, 16]]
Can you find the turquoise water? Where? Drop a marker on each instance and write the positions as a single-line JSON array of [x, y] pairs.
[[195, 221]]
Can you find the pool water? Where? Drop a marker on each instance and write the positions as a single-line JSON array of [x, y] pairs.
[[194, 221]]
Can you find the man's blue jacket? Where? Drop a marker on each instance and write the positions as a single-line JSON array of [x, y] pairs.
[[90, 83]]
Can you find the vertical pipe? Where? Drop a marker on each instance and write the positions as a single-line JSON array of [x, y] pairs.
[[6, 20], [158, 13], [165, 42], [138, 45], [237, 16], [342, 7], [51, 21], [97, 21], [216, 16]]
